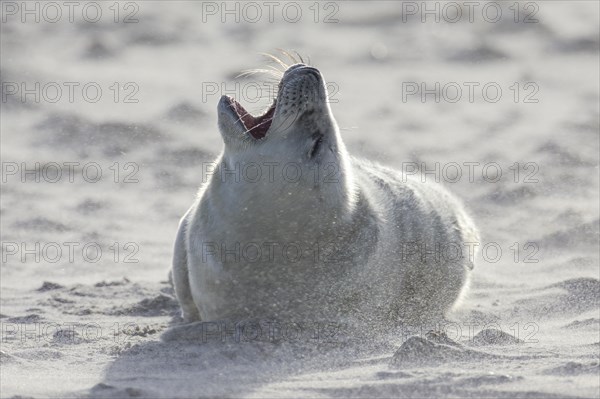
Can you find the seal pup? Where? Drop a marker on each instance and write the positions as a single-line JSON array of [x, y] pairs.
[[290, 226]]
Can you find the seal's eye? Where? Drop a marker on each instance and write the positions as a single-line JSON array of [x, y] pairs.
[[317, 141]]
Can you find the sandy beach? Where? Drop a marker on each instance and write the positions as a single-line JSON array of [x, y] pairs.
[[108, 122]]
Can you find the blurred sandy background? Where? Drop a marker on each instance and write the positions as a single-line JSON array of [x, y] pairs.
[[152, 125]]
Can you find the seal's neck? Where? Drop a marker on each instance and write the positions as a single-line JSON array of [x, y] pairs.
[[254, 200]]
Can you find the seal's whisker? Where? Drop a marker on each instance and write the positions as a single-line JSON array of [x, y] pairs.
[[246, 72], [270, 72], [242, 116], [259, 124], [282, 123], [300, 57], [276, 70], [248, 113], [290, 56], [277, 60]]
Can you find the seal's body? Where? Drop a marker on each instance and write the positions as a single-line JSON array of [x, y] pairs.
[[289, 226]]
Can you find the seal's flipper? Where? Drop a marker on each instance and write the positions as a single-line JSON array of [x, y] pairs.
[[180, 276]]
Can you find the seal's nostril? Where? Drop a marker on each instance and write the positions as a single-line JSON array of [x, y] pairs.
[[301, 69], [312, 70], [295, 66], [293, 69]]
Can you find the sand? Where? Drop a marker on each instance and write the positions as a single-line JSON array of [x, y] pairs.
[[84, 292]]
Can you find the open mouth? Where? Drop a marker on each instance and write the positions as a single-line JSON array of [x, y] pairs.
[[256, 126]]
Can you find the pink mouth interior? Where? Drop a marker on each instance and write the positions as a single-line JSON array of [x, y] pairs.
[[256, 126]]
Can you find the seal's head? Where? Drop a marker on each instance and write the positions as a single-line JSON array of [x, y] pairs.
[[300, 117], [296, 141]]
